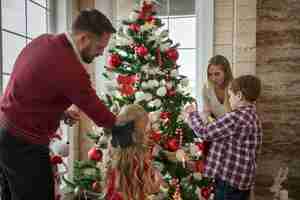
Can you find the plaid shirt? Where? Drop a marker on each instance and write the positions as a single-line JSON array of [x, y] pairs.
[[235, 140]]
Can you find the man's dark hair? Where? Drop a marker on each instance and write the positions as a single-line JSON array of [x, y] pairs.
[[93, 21]]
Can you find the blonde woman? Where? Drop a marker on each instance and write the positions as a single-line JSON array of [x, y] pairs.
[[131, 176], [215, 94]]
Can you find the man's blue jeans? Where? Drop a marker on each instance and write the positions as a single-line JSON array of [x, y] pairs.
[[226, 192]]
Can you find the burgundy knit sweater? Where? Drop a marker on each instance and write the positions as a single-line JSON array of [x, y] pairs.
[[47, 78]]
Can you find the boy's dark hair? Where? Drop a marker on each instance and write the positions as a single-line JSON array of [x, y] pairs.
[[248, 85], [93, 21], [222, 61]]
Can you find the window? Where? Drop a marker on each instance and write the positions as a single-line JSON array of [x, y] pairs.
[[21, 21], [179, 18], [190, 23]]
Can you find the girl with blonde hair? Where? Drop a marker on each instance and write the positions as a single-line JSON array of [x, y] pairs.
[[131, 176]]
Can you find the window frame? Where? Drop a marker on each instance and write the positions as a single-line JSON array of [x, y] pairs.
[[49, 9]]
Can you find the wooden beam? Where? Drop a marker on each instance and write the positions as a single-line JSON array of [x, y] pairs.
[[83, 4]]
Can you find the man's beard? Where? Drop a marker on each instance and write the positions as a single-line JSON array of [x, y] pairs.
[[86, 57]]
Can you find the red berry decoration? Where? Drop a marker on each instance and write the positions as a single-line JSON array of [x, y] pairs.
[[173, 145], [141, 51], [134, 27], [127, 90], [95, 154], [114, 61], [172, 54], [127, 80], [155, 136], [165, 115], [56, 160]]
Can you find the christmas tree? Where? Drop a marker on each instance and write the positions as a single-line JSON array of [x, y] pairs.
[[87, 177], [142, 69]]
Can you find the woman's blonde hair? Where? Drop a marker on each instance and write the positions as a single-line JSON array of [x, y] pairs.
[[134, 180], [228, 77]]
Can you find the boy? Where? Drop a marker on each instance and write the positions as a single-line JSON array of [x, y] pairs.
[[235, 140]]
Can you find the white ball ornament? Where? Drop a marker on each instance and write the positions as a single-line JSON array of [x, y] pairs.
[[61, 148]]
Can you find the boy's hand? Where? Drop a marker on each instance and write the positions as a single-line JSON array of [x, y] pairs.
[[189, 108]]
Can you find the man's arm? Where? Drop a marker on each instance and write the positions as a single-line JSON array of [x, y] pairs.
[[74, 83]]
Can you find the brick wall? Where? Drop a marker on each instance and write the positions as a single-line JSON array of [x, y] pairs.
[[278, 65]]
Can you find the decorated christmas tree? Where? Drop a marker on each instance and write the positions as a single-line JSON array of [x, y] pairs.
[[87, 177], [142, 69]]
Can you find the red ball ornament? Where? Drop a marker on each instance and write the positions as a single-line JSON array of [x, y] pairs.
[[134, 27], [55, 159], [173, 145], [141, 51], [165, 115], [96, 186], [95, 154], [205, 192], [172, 54], [155, 136], [114, 60]]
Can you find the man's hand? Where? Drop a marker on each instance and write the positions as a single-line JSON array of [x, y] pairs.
[[71, 117]]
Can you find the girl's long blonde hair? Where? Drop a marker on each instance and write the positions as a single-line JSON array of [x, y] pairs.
[[130, 162]]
